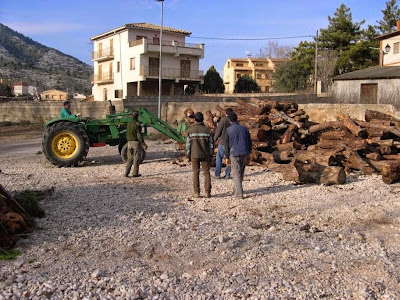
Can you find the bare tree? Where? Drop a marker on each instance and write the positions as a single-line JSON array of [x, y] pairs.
[[327, 61], [273, 49]]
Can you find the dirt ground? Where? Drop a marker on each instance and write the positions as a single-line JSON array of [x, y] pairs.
[[16, 133], [110, 237]]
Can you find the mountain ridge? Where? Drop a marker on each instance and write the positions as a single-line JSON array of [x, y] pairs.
[[22, 58]]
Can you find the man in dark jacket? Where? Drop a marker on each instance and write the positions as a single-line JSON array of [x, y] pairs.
[[200, 149], [136, 144], [220, 133], [238, 146]]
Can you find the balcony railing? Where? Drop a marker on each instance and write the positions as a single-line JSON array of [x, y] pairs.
[[107, 53], [103, 78], [166, 43], [171, 73]]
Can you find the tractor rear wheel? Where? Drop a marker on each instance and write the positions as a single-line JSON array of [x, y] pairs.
[[65, 144], [124, 153]]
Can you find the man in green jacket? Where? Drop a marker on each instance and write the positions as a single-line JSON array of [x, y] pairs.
[[135, 145], [66, 112], [200, 149]]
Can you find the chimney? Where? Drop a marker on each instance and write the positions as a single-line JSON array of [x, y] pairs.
[[398, 25]]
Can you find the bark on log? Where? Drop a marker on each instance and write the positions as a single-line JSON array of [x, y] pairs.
[[372, 114], [356, 144], [354, 161], [258, 134], [392, 129], [392, 157], [323, 158], [287, 136], [391, 172], [209, 120], [376, 141], [300, 112], [282, 157], [353, 127], [314, 173], [380, 163], [374, 156], [277, 114], [325, 125], [335, 135], [288, 146], [188, 112], [385, 150]]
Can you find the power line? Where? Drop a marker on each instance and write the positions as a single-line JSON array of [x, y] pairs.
[[250, 39]]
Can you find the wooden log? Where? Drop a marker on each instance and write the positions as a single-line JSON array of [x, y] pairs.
[[354, 161], [314, 173], [282, 157], [277, 114], [380, 122], [267, 156], [300, 112], [324, 158], [287, 136], [188, 112], [280, 127], [288, 146], [265, 127], [392, 129], [385, 150], [209, 120], [353, 127], [376, 141], [335, 135], [380, 163], [392, 156], [355, 144], [258, 134], [391, 172], [374, 132], [374, 156], [325, 125], [277, 120], [372, 114]]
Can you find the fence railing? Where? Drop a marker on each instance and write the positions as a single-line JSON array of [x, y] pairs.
[[103, 53], [166, 43], [102, 77]]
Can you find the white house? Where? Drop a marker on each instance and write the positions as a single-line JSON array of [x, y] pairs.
[[126, 62], [22, 88], [389, 45]]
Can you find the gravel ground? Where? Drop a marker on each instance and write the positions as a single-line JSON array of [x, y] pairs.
[[109, 237]]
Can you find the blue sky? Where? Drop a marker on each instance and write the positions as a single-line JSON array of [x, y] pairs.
[[68, 25]]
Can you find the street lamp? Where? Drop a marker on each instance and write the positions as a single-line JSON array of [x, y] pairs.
[[160, 64], [384, 52]]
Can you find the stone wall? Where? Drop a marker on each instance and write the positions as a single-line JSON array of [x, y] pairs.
[[43, 111]]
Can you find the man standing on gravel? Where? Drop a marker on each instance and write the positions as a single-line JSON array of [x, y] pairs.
[[135, 146], [200, 149], [220, 133], [238, 147]]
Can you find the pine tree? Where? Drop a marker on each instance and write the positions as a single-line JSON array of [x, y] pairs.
[[213, 82], [246, 84], [390, 16]]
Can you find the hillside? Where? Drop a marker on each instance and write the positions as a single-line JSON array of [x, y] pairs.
[[21, 58]]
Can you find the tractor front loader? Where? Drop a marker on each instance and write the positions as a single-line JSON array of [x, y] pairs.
[[66, 141]]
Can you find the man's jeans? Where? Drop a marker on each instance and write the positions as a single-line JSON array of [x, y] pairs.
[[218, 163]]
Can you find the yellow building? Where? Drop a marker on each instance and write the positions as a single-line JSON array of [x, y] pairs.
[[260, 69], [54, 95]]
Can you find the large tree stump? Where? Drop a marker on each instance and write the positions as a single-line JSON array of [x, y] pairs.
[[324, 158], [314, 173], [391, 172]]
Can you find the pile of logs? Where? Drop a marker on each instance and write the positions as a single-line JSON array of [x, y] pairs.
[[13, 219], [320, 153]]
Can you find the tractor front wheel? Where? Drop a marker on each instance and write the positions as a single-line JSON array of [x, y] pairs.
[[65, 144], [124, 153]]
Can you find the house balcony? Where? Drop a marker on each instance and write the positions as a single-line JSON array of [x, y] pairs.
[[171, 73], [170, 47], [103, 78], [103, 55]]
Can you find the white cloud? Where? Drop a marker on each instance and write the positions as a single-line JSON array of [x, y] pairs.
[[44, 28]]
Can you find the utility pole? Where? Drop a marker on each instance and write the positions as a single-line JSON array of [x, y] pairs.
[[316, 64]]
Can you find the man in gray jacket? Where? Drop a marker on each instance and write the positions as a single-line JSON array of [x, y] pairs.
[[220, 133]]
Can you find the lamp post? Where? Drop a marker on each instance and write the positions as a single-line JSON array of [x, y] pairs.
[[160, 64]]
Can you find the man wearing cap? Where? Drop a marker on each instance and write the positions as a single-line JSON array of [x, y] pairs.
[[136, 144], [200, 149], [66, 112]]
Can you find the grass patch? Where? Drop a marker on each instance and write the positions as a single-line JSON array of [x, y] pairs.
[[156, 136], [29, 200], [9, 254]]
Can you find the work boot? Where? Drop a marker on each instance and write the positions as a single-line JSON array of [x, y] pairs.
[[137, 175]]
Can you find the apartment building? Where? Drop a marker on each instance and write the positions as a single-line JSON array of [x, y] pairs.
[[126, 62], [260, 69]]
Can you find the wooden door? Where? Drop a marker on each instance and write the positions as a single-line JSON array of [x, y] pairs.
[[369, 93], [154, 63], [110, 70], [185, 68]]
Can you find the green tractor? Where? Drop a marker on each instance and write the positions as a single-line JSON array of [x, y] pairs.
[[66, 141]]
